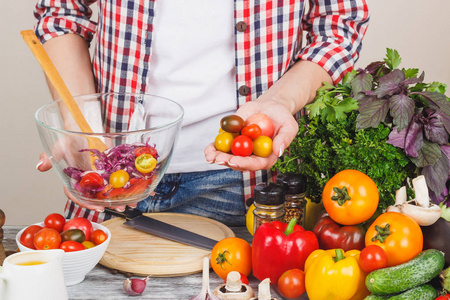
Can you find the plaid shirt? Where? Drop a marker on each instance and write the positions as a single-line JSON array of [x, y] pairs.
[[268, 40]]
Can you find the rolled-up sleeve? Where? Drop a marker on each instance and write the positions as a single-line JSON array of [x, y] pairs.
[[55, 18], [335, 29]]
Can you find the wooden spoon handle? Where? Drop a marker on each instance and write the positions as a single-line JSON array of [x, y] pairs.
[[39, 52]]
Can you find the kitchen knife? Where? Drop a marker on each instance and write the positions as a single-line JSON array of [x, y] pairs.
[[137, 220]]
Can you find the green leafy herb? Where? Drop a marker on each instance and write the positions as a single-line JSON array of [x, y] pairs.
[[381, 120]]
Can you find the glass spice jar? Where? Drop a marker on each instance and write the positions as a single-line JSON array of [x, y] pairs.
[[269, 203], [295, 206]]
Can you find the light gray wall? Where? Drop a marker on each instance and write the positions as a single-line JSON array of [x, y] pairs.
[[419, 30]]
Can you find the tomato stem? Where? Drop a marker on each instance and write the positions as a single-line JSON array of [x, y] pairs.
[[382, 233], [220, 259], [290, 226], [340, 195]]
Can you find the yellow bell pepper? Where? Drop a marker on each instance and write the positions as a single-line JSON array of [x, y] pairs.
[[335, 275]]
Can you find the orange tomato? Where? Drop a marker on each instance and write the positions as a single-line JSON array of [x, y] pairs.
[[98, 236], [399, 236], [231, 254], [350, 197]]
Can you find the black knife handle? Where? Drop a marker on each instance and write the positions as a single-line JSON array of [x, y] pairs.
[[128, 214]]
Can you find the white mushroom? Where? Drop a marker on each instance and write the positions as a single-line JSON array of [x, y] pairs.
[[420, 208]]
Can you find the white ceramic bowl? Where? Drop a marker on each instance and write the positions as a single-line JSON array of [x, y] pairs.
[[77, 264]]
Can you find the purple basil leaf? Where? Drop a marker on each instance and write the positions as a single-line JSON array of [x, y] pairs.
[[395, 77], [446, 150], [361, 83], [414, 80], [386, 89], [434, 128], [438, 99], [445, 120], [373, 68], [436, 175], [372, 113], [414, 138], [428, 155], [401, 109], [397, 138]]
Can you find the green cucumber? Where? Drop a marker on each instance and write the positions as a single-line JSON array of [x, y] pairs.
[[417, 271], [376, 297], [421, 292]]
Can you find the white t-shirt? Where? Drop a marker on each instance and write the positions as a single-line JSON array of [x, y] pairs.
[[193, 63]]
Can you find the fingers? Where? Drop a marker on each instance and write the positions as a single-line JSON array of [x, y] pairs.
[[44, 163]]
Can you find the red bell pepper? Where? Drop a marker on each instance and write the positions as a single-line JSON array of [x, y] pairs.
[[332, 235], [278, 247]]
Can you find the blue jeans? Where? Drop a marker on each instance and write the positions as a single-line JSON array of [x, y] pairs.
[[217, 194]]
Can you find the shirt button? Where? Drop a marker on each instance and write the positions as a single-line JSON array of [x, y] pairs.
[[244, 90], [241, 26]]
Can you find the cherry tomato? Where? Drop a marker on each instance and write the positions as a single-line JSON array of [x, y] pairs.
[[242, 146], [252, 131], [262, 146], [244, 279], [145, 150], [27, 237], [231, 254], [80, 223], [98, 237], [372, 258], [223, 141], [292, 283], [444, 297], [263, 121], [71, 246], [399, 236], [145, 163], [76, 235], [119, 178], [92, 181], [350, 197], [88, 244], [47, 238], [55, 221], [232, 123], [234, 134]]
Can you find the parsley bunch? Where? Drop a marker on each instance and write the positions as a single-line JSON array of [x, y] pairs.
[[381, 120]]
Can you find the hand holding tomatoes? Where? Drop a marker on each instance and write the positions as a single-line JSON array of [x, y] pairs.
[[254, 135]]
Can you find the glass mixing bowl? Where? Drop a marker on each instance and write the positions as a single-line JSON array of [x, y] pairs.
[[122, 161]]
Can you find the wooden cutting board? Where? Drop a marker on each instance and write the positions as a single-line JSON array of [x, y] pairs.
[[134, 251]]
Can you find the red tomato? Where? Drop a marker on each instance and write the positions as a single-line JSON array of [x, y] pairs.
[[70, 246], [244, 279], [145, 150], [232, 123], [444, 297], [264, 122], [253, 131], [98, 236], [47, 238], [242, 146], [372, 258], [55, 221], [92, 181], [80, 223], [292, 283], [27, 237]]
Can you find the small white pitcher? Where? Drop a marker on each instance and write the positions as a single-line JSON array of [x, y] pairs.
[[33, 275]]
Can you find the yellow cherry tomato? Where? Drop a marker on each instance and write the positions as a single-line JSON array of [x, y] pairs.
[[88, 244], [262, 146], [145, 163], [119, 178], [223, 141]]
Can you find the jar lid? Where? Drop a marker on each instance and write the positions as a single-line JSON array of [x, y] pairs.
[[294, 183], [269, 193]]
